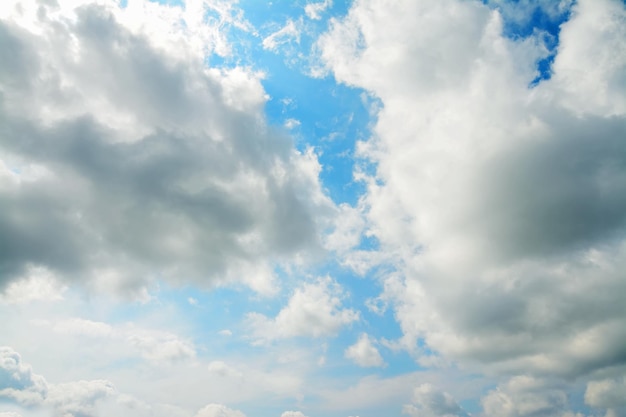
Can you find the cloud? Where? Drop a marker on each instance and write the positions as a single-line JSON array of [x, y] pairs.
[[364, 353], [17, 380], [126, 159], [432, 402], [314, 10], [78, 398], [38, 284], [288, 33], [501, 206], [73, 399], [218, 410], [525, 396], [314, 310], [292, 414], [158, 347], [606, 393], [224, 370]]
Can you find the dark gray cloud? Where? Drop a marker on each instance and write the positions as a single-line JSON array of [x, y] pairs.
[[124, 159]]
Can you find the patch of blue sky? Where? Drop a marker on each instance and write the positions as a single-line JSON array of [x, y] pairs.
[[319, 112], [535, 20]]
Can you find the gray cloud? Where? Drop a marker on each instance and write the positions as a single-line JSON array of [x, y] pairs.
[[124, 160], [432, 402]]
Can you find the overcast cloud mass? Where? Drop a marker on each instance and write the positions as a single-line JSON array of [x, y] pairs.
[[217, 208]]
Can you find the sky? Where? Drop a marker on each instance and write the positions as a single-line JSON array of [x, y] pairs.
[[312, 208]]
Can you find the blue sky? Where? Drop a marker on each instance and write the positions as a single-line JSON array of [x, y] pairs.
[[212, 208]]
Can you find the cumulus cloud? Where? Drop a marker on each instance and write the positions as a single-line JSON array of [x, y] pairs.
[[72, 399], [125, 158], [501, 206], [364, 353], [292, 414], [219, 410], [432, 402], [37, 284], [17, 380], [314, 310], [607, 393], [525, 396]]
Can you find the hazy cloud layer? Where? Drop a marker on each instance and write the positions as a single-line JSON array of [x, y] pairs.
[[125, 158], [504, 206]]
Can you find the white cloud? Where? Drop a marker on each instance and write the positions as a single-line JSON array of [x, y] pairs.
[[500, 206], [524, 396], [156, 346], [432, 402], [314, 310], [314, 10], [18, 381], [218, 410], [292, 414], [79, 398], [173, 170], [72, 399], [607, 393], [364, 353], [288, 33], [38, 284]]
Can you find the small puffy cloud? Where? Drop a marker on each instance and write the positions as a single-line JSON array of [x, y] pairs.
[[607, 393], [288, 33], [218, 410], [314, 10], [429, 401], [292, 414], [364, 353], [314, 310]]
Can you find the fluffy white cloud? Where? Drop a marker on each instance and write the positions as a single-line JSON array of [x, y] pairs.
[[364, 353], [17, 380], [314, 10], [314, 310], [218, 410], [501, 206], [73, 399], [432, 402], [292, 414], [38, 284], [173, 172]]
